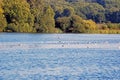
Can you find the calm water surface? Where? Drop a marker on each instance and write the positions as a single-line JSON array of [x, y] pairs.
[[59, 56]]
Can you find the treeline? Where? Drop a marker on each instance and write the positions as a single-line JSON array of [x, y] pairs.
[[60, 16]]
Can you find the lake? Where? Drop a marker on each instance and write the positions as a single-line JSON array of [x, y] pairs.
[[59, 56]]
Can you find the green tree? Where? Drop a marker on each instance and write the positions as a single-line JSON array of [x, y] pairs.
[[46, 21], [68, 12], [63, 23], [94, 11], [36, 8], [77, 24], [43, 15]]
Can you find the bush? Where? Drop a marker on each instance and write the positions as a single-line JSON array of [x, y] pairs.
[[11, 28]]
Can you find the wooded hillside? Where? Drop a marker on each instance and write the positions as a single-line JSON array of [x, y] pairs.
[[60, 16]]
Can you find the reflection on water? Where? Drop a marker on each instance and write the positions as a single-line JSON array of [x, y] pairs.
[[59, 57]]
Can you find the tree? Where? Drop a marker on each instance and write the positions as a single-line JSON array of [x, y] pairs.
[[77, 24], [68, 12], [94, 11], [90, 25], [46, 21], [18, 14], [113, 17], [43, 15], [36, 8], [63, 23], [3, 22]]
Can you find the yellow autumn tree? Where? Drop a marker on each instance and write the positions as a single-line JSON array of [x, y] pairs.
[[90, 25], [3, 22], [18, 16]]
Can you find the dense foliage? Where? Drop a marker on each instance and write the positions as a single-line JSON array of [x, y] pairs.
[[57, 16]]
